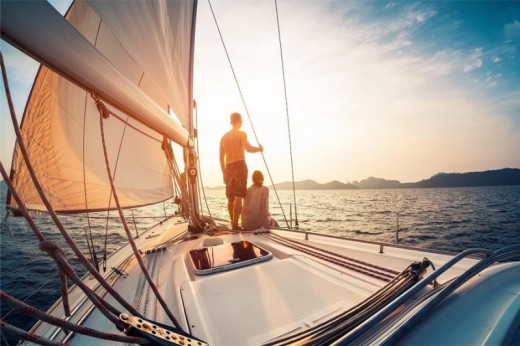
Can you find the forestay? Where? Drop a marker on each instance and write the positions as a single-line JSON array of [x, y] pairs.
[[139, 62]]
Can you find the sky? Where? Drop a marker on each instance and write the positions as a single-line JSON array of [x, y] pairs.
[[398, 90]]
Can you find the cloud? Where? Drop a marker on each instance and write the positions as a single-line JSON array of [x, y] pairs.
[[473, 66], [512, 30], [390, 5], [492, 79], [496, 59], [403, 116], [412, 16], [476, 61]]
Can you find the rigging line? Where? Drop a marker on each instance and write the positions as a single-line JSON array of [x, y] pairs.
[[91, 249], [247, 111], [287, 113], [29, 296], [57, 254], [123, 220], [24, 335], [45, 200], [184, 190], [198, 161], [127, 123], [92, 252], [110, 198], [66, 324], [3, 338]]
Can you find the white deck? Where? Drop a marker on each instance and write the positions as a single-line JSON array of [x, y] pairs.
[[252, 305]]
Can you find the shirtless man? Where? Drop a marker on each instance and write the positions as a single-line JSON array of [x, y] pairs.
[[233, 164]]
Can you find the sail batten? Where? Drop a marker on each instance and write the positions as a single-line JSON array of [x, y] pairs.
[[90, 52]]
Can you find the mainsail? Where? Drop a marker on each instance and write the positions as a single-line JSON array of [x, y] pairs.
[[139, 63]]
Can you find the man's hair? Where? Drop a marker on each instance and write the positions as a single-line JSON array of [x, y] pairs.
[[235, 118]]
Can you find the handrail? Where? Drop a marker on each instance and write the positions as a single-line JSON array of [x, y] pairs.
[[385, 312], [380, 244], [499, 255]]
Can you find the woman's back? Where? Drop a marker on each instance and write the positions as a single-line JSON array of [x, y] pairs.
[[255, 213]]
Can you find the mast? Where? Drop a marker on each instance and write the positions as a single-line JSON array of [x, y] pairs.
[[190, 152]]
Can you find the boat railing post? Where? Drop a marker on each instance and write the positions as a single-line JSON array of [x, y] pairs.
[[164, 208], [290, 215], [135, 225], [397, 228]]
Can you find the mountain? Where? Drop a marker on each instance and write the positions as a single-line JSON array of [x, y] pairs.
[[312, 185], [499, 177], [506, 176], [378, 183]]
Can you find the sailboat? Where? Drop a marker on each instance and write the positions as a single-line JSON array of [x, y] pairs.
[[112, 97]]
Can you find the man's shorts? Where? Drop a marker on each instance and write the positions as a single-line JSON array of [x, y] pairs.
[[236, 185]]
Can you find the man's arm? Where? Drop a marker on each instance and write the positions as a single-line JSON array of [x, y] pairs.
[[223, 161], [248, 147]]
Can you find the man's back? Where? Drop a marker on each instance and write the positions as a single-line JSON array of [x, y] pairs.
[[232, 144]]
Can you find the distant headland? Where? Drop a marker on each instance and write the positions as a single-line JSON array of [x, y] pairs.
[[499, 177]]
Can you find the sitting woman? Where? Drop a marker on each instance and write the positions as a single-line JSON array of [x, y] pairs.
[[255, 213]]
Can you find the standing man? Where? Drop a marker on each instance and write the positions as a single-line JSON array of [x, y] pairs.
[[233, 164]]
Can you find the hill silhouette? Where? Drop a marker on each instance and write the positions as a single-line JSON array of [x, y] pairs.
[[312, 185], [499, 177]]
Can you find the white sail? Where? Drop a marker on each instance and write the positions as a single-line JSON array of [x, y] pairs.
[[61, 122]]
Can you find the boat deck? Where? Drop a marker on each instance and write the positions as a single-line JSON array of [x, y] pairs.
[[254, 304]]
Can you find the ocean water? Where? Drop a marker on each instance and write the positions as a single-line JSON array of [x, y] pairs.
[[449, 219]]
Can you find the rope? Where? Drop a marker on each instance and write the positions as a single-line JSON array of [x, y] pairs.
[[125, 225], [46, 202], [198, 160], [174, 170], [247, 111], [57, 254], [352, 317], [287, 113], [30, 295], [91, 249], [104, 112], [65, 324], [22, 334]]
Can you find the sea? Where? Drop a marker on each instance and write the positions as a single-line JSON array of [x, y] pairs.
[[447, 219]]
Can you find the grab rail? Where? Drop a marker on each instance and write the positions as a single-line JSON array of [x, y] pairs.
[[499, 255], [372, 321]]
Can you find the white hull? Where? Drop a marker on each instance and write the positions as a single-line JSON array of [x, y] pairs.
[[294, 291]]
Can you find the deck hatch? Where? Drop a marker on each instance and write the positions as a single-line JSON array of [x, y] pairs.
[[213, 259]]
